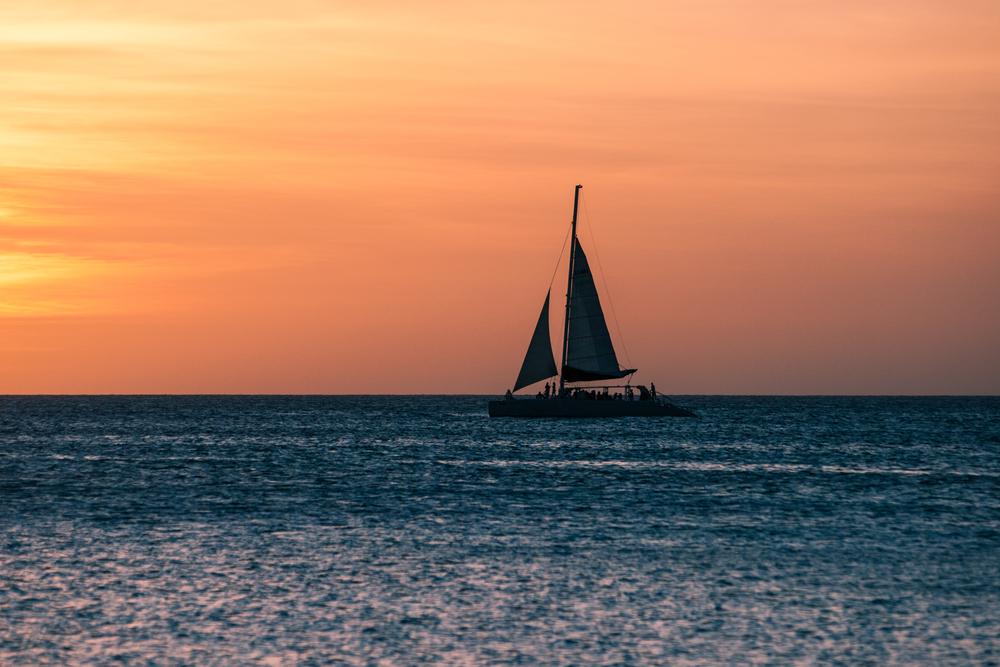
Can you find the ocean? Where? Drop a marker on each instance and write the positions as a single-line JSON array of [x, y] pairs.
[[231, 530]]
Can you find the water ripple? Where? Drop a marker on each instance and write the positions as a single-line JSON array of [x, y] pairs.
[[414, 530]]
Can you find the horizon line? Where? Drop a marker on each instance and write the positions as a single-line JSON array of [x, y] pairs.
[[456, 395]]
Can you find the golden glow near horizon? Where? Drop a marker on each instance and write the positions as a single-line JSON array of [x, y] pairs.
[[368, 197]]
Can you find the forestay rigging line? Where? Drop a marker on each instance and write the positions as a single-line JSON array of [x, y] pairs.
[[539, 363], [559, 259], [604, 282]]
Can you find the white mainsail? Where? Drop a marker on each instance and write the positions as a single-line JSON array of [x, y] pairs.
[[590, 355]]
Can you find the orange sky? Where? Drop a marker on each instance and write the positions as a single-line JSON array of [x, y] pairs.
[[787, 196]]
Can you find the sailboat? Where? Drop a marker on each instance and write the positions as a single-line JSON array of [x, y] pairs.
[[588, 355]]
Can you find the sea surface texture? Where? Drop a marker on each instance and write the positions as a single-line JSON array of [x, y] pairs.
[[415, 530]]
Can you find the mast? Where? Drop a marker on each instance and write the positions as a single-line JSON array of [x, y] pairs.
[[569, 289]]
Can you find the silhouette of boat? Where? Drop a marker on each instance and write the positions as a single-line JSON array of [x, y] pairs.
[[588, 355]]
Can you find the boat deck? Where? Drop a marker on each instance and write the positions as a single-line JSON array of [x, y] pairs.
[[582, 408]]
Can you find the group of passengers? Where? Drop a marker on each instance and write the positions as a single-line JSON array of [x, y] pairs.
[[552, 391]]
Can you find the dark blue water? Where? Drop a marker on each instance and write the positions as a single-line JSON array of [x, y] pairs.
[[404, 530]]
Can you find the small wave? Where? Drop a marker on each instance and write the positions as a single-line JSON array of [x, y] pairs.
[[715, 467]]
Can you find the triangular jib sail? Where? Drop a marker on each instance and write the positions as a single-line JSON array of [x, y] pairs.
[[539, 363], [589, 352]]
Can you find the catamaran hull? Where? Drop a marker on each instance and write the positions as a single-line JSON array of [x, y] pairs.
[[565, 408]]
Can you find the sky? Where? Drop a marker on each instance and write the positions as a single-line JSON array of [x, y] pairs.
[[369, 197]]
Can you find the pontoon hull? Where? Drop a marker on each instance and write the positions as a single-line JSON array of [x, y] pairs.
[[572, 407]]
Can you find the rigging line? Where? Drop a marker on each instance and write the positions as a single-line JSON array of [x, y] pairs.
[[558, 259], [604, 281]]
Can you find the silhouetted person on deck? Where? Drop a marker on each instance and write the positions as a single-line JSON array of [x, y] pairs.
[[652, 389], [547, 390]]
